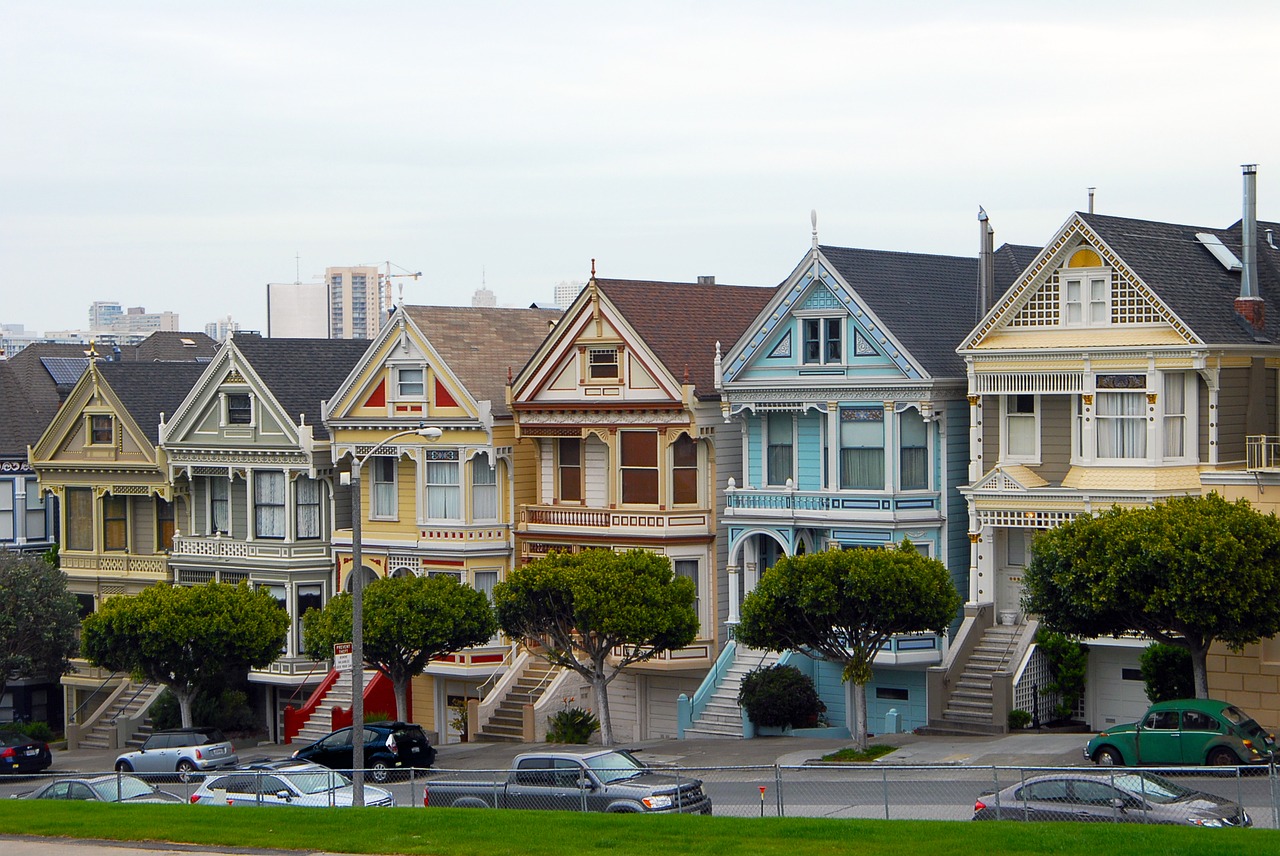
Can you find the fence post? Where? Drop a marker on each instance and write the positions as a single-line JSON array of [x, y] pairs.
[[884, 778], [1275, 806], [777, 781], [995, 784]]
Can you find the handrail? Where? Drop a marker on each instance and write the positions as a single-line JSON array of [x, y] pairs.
[[142, 687], [298, 689], [294, 720], [92, 695], [712, 681], [508, 660]]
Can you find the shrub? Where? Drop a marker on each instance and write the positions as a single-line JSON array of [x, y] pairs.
[[227, 711], [573, 725], [1018, 720], [1068, 663], [780, 697], [1167, 672], [377, 716]]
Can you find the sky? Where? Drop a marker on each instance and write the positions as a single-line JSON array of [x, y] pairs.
[[179, 156]]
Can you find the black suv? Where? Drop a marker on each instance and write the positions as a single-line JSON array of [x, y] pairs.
[[388, 746]]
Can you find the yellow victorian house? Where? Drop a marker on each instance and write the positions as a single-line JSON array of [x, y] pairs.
[[1130, 362], [101, 458], [444, 504]]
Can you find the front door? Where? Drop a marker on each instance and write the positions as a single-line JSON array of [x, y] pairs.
[[1159, 738]]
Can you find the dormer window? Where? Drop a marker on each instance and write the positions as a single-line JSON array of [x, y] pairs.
[[239, 408], [101, 430], [1086, 291], [823, 340], [602, 364], [410, 384]]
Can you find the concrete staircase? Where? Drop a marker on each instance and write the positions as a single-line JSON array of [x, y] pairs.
[[339, 695], [968, 709], [722, 717], [127, 704], [507, 721]]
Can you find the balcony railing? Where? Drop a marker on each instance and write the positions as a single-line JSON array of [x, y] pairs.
[[1263, 453], [788, 502], [118, 564], [223, 547], [546, 517]]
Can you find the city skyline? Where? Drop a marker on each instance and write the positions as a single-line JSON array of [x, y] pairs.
[[184, 157]]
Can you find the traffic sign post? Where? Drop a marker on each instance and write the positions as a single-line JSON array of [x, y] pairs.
[[342, 656]]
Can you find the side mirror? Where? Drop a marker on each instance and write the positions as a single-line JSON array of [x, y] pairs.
[[585, 783], [1119, 803], [284, 795]]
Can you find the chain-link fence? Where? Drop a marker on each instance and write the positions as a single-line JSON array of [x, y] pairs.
[[1221, 796]]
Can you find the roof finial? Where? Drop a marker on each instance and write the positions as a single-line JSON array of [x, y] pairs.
[[593, 268], [813, 219], [508, 375]]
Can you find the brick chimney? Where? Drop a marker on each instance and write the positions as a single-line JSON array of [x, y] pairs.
[[1249, 305]]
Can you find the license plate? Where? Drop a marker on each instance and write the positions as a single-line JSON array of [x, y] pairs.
[[218, 752], [414, 749], [37, 751]]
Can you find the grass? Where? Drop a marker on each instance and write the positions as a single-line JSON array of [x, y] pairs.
[[849, 754], [469, 832]]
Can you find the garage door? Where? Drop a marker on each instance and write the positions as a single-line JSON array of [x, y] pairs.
[[1115, 691], [661, 692]]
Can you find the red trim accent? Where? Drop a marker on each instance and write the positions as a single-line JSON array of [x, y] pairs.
[[443, 398], [379, 396]]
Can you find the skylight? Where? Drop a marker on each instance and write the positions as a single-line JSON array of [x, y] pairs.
[[1220, 252]]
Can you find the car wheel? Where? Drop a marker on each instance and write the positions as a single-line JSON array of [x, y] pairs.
[[1221, 757], [379, 772], [1108, 757], [124, 767], [186, 771]]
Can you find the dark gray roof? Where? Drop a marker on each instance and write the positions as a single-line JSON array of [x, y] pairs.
[[682, 321], [928, 302], [1195, 285], [302, 373], [480, 344], [164, 345], [149, 389], [30, 394]]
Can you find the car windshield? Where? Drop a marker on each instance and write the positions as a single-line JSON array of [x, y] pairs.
[[1244, 722], [1151, 787], [129, 788], [316, 782], [615, 766]]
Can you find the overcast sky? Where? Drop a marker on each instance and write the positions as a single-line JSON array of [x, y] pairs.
[[182, 155]]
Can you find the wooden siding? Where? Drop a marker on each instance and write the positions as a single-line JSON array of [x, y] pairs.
[[1233, 403], [808, 439], [595, 473], [1055, 437], [990, 432]]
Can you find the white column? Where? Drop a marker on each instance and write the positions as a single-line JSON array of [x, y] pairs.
[[735, 586]]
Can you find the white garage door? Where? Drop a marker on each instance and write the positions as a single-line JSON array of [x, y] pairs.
[[1115, 691], [661, 692]]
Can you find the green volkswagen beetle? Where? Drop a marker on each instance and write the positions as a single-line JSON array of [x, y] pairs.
[[1185, 731]]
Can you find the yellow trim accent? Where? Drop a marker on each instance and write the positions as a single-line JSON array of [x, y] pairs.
[[1084, 258]]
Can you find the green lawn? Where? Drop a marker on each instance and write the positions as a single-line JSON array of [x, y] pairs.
[[467, 832]]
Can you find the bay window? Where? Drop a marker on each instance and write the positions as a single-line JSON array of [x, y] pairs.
[[684, 471], [165, 525], [778, 452], [1021, 428], [8, 531], [444, 491], [382, 490], [862, 448], [268, 504], [1175, 415], [219, 505], [639, 467], [484, 489], [569, 469], [37, 515], [307, 510], [79, 518], [115, 523], [913, 451], [1122, 424]]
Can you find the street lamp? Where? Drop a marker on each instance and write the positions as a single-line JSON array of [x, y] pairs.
[[357, 612]]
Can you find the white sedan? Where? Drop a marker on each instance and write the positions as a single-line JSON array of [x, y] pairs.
[[284, 783]]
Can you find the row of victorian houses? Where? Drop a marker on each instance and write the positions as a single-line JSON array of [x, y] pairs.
[[964, 403]]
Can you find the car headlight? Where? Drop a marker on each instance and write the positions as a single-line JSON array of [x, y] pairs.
[[1210, 822], [657, 801]]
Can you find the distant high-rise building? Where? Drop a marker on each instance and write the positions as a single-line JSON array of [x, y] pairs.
[[103, 314], [567, 291], [219, 330], [484, 297], [108, 317], [297, 310], [355, 306]]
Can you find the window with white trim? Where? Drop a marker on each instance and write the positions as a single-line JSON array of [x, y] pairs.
[[268, 504], [862, 448], [1086, 299], [307, 507], [219, 505], [1175, 414], [913, 451], [823, 340], [1021, 434], [688, 568], [779, 451], [239, 408], [444, 490], [410, 384], [603, 364], [484, 488], [8, 530], [1121, 420], [382, 488], [37, 512]]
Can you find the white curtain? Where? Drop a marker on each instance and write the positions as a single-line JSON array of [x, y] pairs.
[[1122, 425], [308, 513], [862, 451], [1175, 415], [443, 491], [383, 493], [779, 451], [268, 504], [484, 489], [219, 505]]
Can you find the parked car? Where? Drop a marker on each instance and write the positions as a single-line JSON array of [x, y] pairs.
[[1122, 797], [388, 746], [106, 788], [185, 751], [288, 782], [608, 780], [22, 754], [1185, 731]]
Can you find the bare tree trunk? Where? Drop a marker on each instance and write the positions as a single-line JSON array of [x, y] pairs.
[[402, 698], [1200, 670], [858, 728], [184, 697], [600, 688]]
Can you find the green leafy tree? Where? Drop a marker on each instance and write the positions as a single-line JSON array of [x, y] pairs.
[[1187, 572], [844, 606], [408, 622], [186, 637], [38, 619], [597, 612], [1068, 667], [1167, 672]]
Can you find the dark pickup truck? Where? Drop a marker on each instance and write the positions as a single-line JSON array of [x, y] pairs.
[[604, 780]]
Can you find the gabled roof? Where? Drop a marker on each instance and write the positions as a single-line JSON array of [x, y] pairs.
[[165, 345], [1186, 276], [148, 390], [30, 394], [681, 322], [479, 344], [928, 302], [301, 373]]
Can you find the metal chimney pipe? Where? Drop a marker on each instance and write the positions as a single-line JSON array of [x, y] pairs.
[[1249, 236], [986, 265], [1091, 190]]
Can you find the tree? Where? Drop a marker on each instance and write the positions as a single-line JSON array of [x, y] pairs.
[[408, 622], [1186, 572], [597, 612], [38, 619], [186, 637], [844, 605]]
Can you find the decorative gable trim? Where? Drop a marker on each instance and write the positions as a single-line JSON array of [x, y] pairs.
[[378, 398], [1034, 301], [1007, 479]]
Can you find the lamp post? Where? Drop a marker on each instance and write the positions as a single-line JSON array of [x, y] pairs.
[[357, 613]]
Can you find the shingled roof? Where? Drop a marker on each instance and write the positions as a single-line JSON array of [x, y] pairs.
[[682, 321], [480, 344], [928, 302], [1195, 285], [148, 390], [302, 373], [30, 395]]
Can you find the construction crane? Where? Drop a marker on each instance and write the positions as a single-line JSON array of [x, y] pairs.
[[384, 282]]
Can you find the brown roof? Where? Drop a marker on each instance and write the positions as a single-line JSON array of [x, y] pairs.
[[682, 321], [481, 343]]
